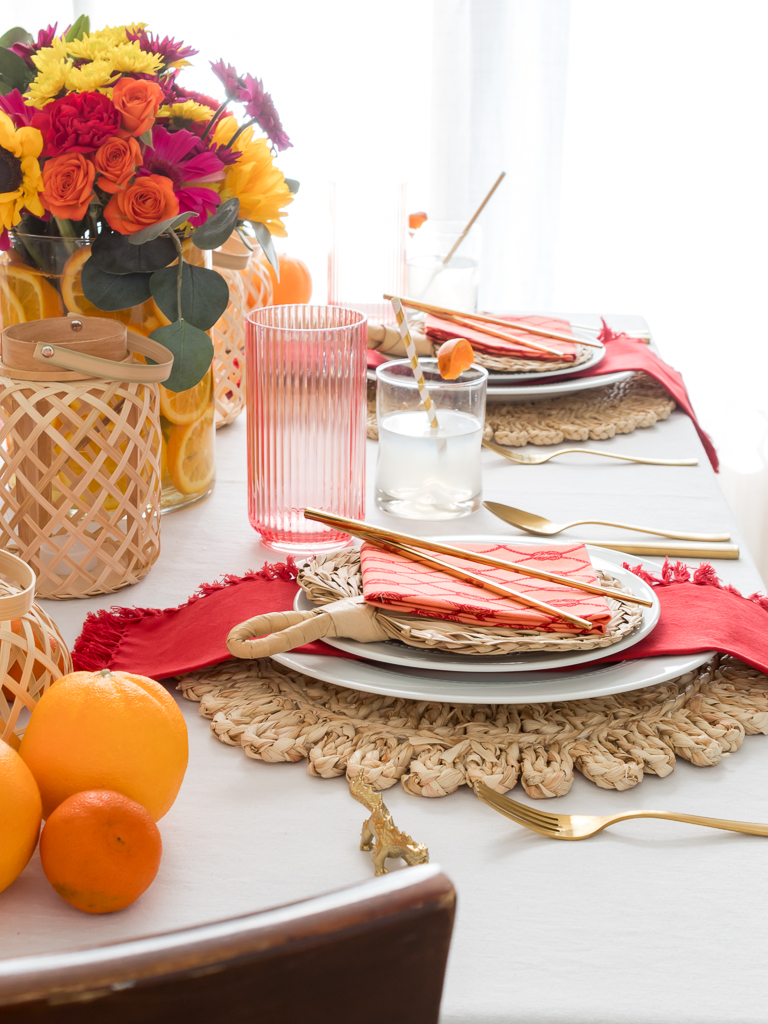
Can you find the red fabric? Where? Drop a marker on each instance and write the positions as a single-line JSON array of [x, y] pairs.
[[443, 330], [697, 614], [374, 358]]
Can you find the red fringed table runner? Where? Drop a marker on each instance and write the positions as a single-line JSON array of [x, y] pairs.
[[698, 613]]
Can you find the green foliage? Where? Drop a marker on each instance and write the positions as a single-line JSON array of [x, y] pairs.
[[114, 291], [204, 295], [219, 227], [14, 71], [115, 254], [192, 353], [292, 184], [80, 28], [147, 234], [264, 239], [16, 35]]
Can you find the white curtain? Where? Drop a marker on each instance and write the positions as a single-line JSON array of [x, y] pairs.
[[632, 133]]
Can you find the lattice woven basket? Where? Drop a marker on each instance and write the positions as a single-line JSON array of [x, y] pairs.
[[250, 287], [80, 478], [32, 652]]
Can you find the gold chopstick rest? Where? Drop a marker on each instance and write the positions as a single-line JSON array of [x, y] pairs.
[[366, 531]]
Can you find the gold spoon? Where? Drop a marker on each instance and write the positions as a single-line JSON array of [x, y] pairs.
[[525, 459], [546, 528]]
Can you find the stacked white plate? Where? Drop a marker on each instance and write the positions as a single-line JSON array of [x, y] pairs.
[[397, 670]]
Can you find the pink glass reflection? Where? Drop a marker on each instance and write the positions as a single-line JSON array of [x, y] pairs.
[[306, 400]]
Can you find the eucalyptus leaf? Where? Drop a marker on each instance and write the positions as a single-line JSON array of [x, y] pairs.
[[113, 291], [5, 88], [245, 239], [146, 138], [292, 184], [147, 234], [81, 27], [192, 353], [219, 227], [114, 254], [204, 294], [16, 35], [14, 70], [264, 239]]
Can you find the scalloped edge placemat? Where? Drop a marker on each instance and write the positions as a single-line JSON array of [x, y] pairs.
[[621, 408], [274, 714]]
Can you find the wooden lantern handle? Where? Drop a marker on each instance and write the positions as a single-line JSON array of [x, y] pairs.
[[13, 606]]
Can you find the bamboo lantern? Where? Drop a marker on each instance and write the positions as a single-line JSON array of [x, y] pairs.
[[32, 652], [250, 287], [80, 453]]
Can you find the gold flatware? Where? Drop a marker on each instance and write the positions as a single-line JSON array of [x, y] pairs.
[[582, 826], [546, 528], [474, 217], [484, 318], [525, 459], [668, 548], [377, 534]]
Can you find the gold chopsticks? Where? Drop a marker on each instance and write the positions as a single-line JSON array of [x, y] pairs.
[[534, 346], [484, 318], [377, 534]]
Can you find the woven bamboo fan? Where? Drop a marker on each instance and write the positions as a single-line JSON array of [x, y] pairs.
[[32, 653], [80, 453], [335, 583], [250, 287]]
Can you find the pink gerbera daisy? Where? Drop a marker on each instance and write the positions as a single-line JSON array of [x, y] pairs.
[[181, 157]]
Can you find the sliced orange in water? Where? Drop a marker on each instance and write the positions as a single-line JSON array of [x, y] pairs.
[[182, 407], [25, 295], [190, 455]]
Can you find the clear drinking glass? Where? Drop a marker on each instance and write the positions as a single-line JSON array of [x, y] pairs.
[[422, 473], [452, 284], [367, 257], [306, 402]]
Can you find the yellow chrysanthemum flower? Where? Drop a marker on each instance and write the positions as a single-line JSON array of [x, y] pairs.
[[51, 79], [254, 179], [56, 51], [97, 74], [20, 177], [131, 57], [97, 44]]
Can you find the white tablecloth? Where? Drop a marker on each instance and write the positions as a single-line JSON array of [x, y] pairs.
[[649, 922]]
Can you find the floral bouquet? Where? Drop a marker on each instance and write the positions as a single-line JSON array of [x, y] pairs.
[[101, 147]]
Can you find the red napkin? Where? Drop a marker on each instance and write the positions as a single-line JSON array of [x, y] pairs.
[[444, 330], [374, 358], [697, 614]]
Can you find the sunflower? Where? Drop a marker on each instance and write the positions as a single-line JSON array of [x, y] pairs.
[[20, 177], [254, 179], [185, 114]]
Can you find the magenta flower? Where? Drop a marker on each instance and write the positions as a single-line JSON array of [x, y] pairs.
[[44, 38], [169, 49], [270, 124], [19, 112], [259, 105], [199, 97], [228, 77], [181, 157]]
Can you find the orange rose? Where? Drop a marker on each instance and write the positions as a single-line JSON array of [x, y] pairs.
[[68, 185], [149, 200], [138, 102], [116, 160]]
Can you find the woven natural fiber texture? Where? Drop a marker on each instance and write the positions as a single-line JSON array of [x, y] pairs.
[[248, 289], [333, 577], [275, 715], [513, 364], [80, 482], [638, 401]]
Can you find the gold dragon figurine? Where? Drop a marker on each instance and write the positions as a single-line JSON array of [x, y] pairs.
[[389, 840]]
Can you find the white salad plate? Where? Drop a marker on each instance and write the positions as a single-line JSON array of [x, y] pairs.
[[553, 389], [393, 652], [531, 687], [596, 355]]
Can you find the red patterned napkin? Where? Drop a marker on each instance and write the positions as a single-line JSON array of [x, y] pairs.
[[444, 330], [391, 581]]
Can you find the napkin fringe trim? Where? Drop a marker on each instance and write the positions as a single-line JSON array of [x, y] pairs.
[[703, 576], [102, 634]]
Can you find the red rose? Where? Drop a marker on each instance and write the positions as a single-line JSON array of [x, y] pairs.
[[77, 123]]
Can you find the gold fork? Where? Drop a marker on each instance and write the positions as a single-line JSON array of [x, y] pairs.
[[536, 460], [581, 826]]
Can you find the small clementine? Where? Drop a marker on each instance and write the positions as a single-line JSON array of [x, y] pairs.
[[107, 730], [454, 357], [100, 850], [295, 284], [20, 815]]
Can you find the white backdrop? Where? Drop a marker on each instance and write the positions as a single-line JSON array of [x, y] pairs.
[[633, 135]]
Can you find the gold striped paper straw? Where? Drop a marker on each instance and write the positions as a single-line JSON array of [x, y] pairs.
[[418, 373]]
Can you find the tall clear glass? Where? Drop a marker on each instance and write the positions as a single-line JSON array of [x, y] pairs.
[[452, 284], [306, 402]]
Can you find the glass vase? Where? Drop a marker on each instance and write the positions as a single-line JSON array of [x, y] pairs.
[[40, 277]]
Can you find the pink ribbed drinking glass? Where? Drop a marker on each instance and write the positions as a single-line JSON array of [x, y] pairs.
[[306, 400]]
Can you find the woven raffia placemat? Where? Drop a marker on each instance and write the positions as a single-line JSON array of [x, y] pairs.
[[638, 401], [274, 714]]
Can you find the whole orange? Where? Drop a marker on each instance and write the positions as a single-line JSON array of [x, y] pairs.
[[295, 284], [100, 850], [20, 815], [107, 730]]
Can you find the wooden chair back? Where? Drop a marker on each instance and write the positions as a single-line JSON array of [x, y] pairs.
[[374, 951]]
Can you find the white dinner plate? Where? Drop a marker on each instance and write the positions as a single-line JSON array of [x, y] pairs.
[[530, 687], [553, 388], [393, 652]]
